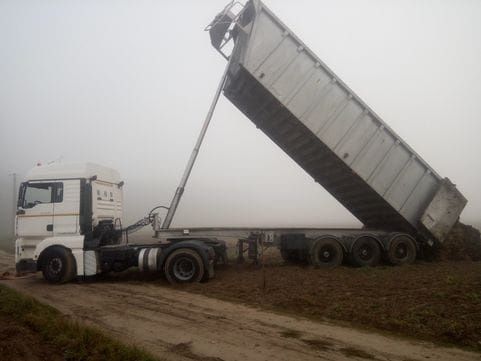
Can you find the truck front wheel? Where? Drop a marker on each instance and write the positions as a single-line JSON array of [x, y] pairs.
[[58, 265], [184, 265]]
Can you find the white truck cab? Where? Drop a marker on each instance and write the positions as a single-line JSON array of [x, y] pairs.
[[64, 205], [69, 224]]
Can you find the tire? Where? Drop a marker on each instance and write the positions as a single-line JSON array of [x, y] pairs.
[[326, 252], [184, 265], [402, 250], [58, 265], [366, 252]]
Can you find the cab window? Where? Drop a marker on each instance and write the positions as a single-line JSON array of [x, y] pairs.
[[41, 193]]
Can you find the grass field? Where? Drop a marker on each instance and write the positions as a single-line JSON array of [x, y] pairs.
[[32, 331]]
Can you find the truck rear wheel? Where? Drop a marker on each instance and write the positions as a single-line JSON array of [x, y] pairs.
[[184, 265], [402, 250], [326, 252], [58, 265], [366, 252]]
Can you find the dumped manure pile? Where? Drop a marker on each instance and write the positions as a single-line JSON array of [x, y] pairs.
[[462, 244]]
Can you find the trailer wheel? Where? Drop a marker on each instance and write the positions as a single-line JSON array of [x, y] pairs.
[[402, 250], [366, 252], [184, 265], [326, 252], [58, 265]]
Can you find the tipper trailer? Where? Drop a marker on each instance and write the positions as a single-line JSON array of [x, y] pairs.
[[75, 227]]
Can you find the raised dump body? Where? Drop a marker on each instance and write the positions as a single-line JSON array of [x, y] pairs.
[[294, 98]]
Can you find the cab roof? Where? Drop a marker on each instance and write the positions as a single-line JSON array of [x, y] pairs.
[[59, 171]]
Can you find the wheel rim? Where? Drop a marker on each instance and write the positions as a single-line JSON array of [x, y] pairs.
[[55, 265], [326, 254], [184, 269], [366, 252], [401, 251]]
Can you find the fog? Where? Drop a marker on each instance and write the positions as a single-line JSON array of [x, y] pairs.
[[127, 84]]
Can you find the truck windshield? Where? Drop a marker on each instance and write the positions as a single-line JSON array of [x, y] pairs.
[[39, 193]]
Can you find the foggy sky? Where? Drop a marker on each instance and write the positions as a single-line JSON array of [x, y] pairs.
[[127, 84]]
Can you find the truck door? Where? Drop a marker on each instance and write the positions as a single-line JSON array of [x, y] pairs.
[[35, 211], [66, 207]]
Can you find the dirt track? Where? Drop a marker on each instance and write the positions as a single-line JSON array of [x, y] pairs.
[[178, 325]]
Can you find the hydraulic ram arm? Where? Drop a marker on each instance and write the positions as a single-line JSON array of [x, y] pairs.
[[190, 164]]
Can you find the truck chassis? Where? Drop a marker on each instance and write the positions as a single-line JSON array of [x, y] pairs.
[[320, 247]]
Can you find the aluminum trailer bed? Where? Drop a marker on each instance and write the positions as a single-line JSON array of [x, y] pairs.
[[298, 102]]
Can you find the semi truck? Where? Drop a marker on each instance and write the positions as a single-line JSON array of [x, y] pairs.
[[69, 216]]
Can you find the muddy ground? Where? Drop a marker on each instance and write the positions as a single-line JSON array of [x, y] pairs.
[[433, 301], [437, 301], [185, 326]]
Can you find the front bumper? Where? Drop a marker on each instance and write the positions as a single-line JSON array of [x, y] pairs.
[[26, 266]]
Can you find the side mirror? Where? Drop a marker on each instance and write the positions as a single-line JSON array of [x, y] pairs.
[[21, 193]]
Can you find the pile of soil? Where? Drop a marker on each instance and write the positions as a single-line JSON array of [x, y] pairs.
[[462, 244], [437, 301]]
